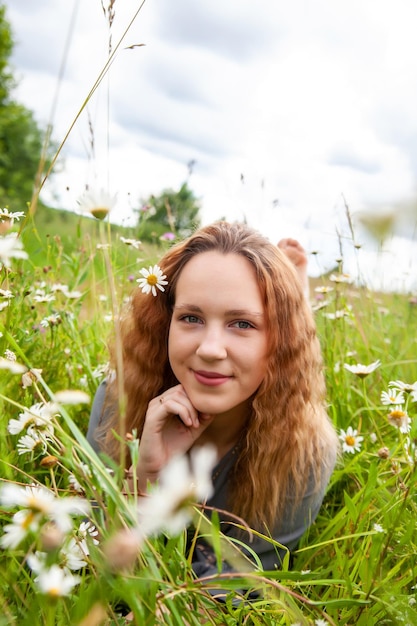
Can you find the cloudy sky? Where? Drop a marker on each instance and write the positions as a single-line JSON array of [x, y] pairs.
[[287, 110]]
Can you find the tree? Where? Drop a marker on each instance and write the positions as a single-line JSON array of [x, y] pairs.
[[20, 138], [173, 212]]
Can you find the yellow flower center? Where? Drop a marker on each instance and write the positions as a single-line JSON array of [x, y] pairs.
[[54, 592], [397, 415], [152, 280], [99, 212], [350, 441], [28, 520]]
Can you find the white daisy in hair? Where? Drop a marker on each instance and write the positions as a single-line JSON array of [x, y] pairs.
[[153, 279]]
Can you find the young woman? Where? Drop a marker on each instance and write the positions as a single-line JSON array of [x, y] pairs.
[[228, 355]]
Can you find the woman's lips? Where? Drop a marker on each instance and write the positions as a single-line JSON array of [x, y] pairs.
[[211, 379]]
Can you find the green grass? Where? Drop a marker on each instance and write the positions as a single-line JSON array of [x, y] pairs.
[[356, 565]]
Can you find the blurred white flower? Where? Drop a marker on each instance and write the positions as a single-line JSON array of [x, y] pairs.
[[362, 370], [153, 279], [11, 247], [182, 483], [12, 366], [97, 203], [28, 378], [378, 528], [55, 582], [23, 522], [72, 396], [42, 501], [134, 243], [340, 278], [405, 387], [337, 315]]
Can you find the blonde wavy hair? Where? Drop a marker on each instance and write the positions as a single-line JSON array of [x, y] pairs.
[[288, 440]]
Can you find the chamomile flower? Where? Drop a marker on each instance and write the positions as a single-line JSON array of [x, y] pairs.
[[55, 582], [340, 278], [31, 442], [6, 215], [42, 501], [88, 530], [351, 441], [405, 387], [400, 419], [392, 396], [182, 483], [362, 370], [72, 396], [153, 279], [39, 417], [134, 243], [23, 522], [98, 204], [13, 366], [11, 247]]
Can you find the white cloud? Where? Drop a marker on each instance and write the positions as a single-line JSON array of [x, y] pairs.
[[285, 107]]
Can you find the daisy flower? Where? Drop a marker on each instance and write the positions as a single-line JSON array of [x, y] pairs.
[[182, 483], [392, 396], [22, 523], [337, 315], [39, 417], [405, 387], [72, 396], [6, 215], [134, 243], [42, 501], [28, 378], [323, 289], [13, 366], [87, 529], [55, 582], [30, 443], [153, 279], [351, 441], [98, 204], [362, 370], [340, 278], [11, 247], [400, 419]]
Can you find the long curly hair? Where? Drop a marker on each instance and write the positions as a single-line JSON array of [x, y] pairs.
[[288, 439]]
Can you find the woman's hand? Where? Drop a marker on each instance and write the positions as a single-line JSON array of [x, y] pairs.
[[171, 427]]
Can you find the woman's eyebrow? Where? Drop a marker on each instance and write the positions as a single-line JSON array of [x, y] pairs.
[[231, 312]]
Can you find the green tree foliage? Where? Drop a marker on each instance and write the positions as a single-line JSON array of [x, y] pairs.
[[20, 138], [172, 211]]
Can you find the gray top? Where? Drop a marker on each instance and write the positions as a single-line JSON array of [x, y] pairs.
[[288, 532]]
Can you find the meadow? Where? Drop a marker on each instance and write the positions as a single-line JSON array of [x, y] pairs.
[[71, 550]]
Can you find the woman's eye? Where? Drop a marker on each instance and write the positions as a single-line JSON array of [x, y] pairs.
[[242, 324], [191, 319]]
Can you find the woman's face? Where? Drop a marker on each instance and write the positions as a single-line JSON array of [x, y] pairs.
[[218, 342]]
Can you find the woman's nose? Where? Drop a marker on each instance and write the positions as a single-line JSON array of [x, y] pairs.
[[212, 345]]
